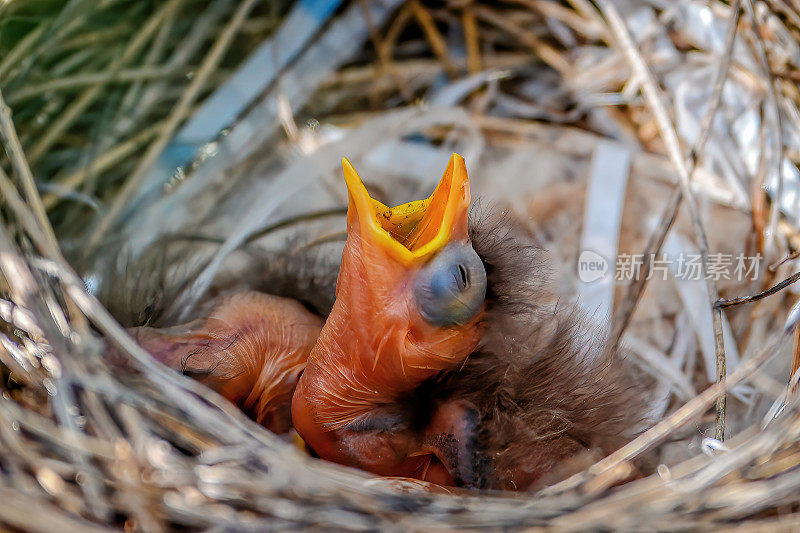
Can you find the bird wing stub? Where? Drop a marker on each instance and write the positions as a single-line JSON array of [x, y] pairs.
[[251, 349]]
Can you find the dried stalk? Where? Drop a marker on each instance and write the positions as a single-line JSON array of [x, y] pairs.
[[23, 171], [777, 127]]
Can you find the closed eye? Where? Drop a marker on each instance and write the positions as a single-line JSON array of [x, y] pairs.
[[378, 421], [451, 288], [462, 270]]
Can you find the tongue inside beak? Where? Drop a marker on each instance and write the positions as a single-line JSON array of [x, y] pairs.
[[411, 233]]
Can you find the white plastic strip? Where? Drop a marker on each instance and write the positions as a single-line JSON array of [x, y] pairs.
[[694, 295], [605, 199]]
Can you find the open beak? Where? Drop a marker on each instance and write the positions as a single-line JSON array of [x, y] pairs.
[[411, 233]]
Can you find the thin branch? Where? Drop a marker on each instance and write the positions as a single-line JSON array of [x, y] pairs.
[[33, 213], [25, 285], [723, 303], [795, 360], [266, 230], [472, 40], [114, 155], [789, 257], [27, 219], [14, 57], [544, 51]]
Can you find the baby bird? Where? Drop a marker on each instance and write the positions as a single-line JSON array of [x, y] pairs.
[[251, 348], [444, 358]]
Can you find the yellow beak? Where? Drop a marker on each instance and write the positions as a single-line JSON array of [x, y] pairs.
[[412, 233]]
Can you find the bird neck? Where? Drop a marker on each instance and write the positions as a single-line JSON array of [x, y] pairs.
[[375, 345]]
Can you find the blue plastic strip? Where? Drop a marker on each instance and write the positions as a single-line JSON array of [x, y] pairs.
[[257, 73]]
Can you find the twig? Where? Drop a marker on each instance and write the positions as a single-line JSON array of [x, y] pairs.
[[175, 386], [38, 225], [27, 219], [396, 28], [384, 50], [133, 109], [25, 286], [780, 6], [654, 99], [20, 511], [16, 54], [266, 230], [586, 24], [723, 303], [795, 358], [179, 113], [546, 53], [789, 257], [384, 46]]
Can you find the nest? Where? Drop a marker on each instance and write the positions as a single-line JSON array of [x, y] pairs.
[[683, 103]]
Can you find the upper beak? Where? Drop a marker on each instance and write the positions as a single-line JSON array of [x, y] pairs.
[[411, 233]]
